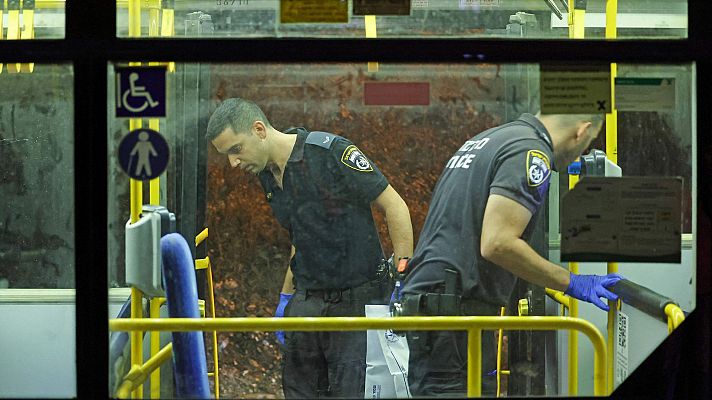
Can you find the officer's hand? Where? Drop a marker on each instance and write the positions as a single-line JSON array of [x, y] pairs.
[[283, 300], [591, 288]]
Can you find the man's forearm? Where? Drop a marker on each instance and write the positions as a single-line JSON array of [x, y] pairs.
[[288, 285], [520, 259], [400, 230]]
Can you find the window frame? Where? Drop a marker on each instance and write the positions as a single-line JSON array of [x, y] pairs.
[[90, 44]]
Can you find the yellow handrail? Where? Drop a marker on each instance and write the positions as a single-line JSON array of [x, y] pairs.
[[675, 316], [205, 264], [473, 325], [201, 236], [139, 373], [559, 297]]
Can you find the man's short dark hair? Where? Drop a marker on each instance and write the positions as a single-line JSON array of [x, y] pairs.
[[236, 114]]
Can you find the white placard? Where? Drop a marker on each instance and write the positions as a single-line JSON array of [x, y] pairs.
[[575, 89], [621, 367], [631, 219], [645, 94]]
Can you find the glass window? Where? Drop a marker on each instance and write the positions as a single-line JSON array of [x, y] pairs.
[[505, 19], [408, 119], [32, 19], [37, 236]]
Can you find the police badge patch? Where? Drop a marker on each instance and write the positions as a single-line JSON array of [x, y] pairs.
[[354, 159], [538, 167]]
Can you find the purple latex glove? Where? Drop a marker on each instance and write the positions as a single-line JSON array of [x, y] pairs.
[[283, 300], [591, 288]]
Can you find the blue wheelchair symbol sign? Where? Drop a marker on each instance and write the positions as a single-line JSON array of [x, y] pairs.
[[141, 91], [143, 154]]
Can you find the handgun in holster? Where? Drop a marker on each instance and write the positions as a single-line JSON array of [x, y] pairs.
[[446, 303]]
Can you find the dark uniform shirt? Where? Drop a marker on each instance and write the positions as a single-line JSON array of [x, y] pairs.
[[325, 204], [512, 160]]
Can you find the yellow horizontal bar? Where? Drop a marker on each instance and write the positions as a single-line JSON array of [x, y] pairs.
[[361, 323], [138, 374], [211, 374], [201, 236], [505, 372], [559, 297], [49, 4], [675, 315], [351, 324]]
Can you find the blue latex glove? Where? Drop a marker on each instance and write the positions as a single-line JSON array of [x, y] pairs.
[[283, 300], [591, 288]]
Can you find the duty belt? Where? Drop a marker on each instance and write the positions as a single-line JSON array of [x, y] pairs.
[[370, 292], [434, 304], [445, 303]]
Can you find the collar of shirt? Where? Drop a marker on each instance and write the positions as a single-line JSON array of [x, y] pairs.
[[296, 156], [540, 129], [298, 150]]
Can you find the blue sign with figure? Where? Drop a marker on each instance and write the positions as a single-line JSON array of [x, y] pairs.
[[140, 92], [143, 154]]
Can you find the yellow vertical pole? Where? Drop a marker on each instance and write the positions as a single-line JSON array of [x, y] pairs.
[[371, 32], [573, 313], [136, 193], [474, 362], [28, 31], [167, 28], [2, 11], [13, 29], [577, 14], [211, 298], [612, 154], [155, 312], [134, 18]]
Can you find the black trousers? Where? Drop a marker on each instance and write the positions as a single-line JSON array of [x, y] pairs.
[[437, 366], [324, 364]]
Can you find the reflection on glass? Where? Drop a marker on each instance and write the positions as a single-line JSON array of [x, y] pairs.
[[652, 19], [37, 237], [36, 146]]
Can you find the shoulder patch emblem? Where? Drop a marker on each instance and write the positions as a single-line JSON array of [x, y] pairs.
[[322, 139], [354, 159], [538, 167]]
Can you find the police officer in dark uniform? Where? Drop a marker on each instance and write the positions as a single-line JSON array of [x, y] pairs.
[[475, 242], [321, 188]]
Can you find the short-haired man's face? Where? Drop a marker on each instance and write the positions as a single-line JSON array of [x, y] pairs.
[[245, 150]]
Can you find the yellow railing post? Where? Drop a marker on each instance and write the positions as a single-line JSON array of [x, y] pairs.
[[474, 362]]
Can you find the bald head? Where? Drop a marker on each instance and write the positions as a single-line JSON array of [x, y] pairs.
[[571, 134]]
